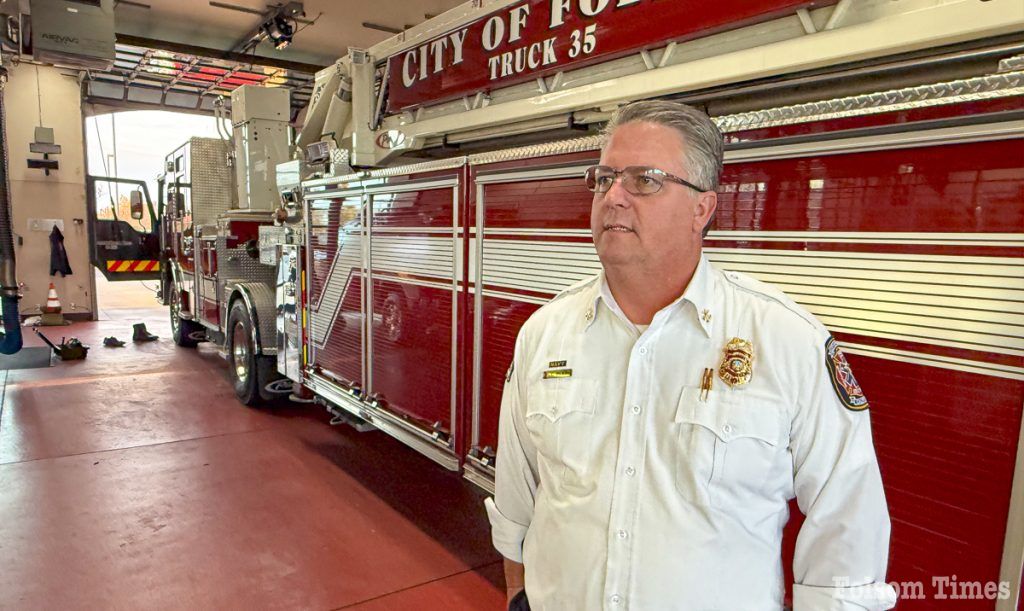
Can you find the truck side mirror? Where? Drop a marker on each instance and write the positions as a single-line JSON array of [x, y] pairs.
[[138, 211]]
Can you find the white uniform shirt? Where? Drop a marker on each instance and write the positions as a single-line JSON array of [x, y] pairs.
[[621, 487]]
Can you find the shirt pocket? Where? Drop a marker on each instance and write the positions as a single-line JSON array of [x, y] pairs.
[[728, 446], [560, 418]]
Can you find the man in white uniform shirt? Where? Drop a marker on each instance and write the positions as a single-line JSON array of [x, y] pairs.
[[657, 418]]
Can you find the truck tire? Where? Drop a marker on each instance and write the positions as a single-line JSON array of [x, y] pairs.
[[181, 329], [250, 372]]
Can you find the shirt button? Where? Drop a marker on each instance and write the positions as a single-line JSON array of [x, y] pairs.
[[635, 409], [642, 350], [623, 534], [630, 471], [615, 599], [727, 429]]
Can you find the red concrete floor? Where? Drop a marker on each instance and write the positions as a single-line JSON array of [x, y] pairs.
[[133, 480]]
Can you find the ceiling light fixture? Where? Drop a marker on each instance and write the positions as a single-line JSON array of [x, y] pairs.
[[279, 31], [279, 25]]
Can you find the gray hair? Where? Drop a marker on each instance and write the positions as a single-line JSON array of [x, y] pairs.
[[704, 143]]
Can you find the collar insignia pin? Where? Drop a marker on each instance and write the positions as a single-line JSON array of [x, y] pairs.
[[706, 315], [589, 315], [738, 364]]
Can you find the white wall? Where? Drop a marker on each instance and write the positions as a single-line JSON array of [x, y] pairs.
[[61, 195]]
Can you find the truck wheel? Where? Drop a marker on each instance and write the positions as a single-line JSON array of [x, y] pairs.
[[181, 329], [250, 372]]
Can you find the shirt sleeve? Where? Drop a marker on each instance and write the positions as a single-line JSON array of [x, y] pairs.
[[842, 548], [511, 509]]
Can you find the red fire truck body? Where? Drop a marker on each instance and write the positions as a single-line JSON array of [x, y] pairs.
[[907, 244], [895, 215]]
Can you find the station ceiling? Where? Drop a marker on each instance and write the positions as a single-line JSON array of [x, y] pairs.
[[336, 24], [183, 54]]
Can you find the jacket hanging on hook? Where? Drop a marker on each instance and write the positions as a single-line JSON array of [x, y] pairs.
[[58, 256]]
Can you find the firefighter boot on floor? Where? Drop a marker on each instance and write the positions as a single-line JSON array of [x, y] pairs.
[[141, 335]]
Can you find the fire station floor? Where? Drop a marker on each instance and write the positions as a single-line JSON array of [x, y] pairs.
[[134, 480]]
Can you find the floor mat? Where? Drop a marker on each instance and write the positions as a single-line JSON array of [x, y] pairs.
[[27, 358]]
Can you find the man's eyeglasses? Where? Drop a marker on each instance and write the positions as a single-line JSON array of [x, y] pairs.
[[636, 179]]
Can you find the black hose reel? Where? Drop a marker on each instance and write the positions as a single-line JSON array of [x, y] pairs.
[[11, 339]]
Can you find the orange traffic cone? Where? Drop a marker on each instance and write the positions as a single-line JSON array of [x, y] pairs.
[[51, 311], [52, 302]]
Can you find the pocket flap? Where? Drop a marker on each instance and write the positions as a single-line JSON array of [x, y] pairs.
[[555, 398], [730, 414]]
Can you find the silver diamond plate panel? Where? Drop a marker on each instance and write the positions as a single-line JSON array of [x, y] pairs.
[[210, 177], [426, 166], [1012, 64], [339, 156], [576, 145], [401, 170], [952, 92], [266, 312], [236, 267], [236, 264], [336, 179]]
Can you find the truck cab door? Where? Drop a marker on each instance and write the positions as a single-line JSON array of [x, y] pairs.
[[124, 229]]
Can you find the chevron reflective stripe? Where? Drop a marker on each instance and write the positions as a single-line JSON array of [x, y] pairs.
[[133, 266]]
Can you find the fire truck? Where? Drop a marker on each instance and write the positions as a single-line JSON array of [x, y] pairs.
[[383, 262]]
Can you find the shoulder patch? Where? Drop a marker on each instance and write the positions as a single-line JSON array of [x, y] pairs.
[[845, 385]]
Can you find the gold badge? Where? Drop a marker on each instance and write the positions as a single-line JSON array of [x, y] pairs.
[[738, 364]]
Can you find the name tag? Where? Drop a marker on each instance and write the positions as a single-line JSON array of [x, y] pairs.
[[558, 373]]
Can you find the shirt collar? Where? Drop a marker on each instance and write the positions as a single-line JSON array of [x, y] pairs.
[[699, 293]]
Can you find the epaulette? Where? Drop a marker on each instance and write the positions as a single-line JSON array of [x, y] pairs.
[[768, 292], [576, 288]]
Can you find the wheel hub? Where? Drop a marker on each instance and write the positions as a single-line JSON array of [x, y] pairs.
[[175, 312], [240, 352]]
